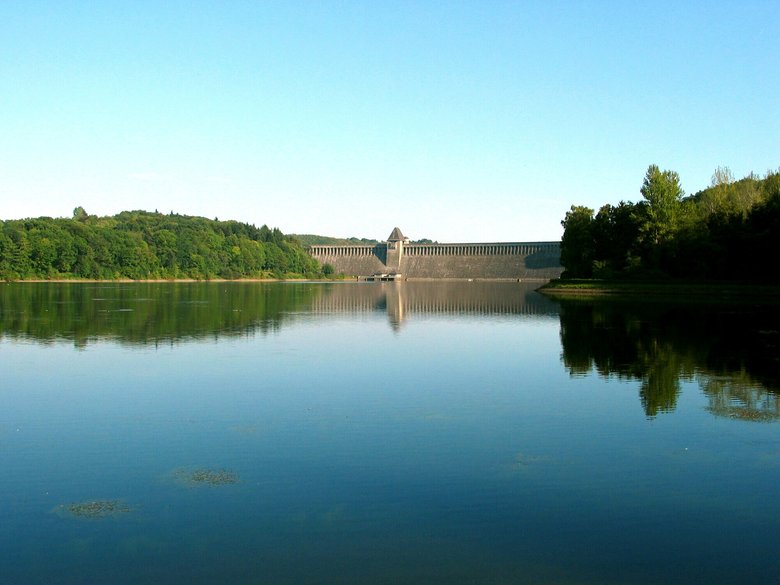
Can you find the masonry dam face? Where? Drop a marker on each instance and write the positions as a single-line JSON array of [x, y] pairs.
[[399, 258]]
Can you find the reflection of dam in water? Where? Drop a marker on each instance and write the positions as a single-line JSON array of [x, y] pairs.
[[150, 313], [402, 300]]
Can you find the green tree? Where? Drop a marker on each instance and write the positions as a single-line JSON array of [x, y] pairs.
[[577, 245], [615, 235], [663, 197], [726, 196]]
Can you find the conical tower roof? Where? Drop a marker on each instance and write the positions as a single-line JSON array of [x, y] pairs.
[[396, 236]]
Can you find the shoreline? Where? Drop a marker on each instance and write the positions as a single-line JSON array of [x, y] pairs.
[[144, 280], [292, 279], [662, 290], [163, 280]]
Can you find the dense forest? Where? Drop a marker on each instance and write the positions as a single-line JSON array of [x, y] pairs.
[[144, 245], [728, 231]]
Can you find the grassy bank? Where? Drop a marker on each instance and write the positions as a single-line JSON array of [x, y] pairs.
[[662, 290]]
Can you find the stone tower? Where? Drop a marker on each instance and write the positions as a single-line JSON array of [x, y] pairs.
[[395, 251]]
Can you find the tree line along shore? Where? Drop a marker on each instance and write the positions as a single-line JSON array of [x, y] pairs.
[[140, 245], [727, 233]]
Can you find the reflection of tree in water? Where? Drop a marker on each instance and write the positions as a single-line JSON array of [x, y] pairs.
[[662, 344], [145, 313], [741, 398], [663, 369]]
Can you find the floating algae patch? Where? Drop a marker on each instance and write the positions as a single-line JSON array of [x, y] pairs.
[[524, 460], [210, 477], [204, 476], [523, 463], [93, 509]]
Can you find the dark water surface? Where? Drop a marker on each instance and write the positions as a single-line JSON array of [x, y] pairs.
[[406, 433]]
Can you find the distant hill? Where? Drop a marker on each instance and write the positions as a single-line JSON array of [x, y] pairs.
[[314, 240], [144, 245]]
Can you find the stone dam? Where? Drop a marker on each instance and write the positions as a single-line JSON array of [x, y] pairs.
[[400, 259]]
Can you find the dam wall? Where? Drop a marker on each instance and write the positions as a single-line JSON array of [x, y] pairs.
[[499, 260], [352, 260], [529, 260]]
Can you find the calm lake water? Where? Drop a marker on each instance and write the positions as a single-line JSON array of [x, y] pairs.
[[313, 434]]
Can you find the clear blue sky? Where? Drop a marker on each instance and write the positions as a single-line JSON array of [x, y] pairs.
[[457, 121]]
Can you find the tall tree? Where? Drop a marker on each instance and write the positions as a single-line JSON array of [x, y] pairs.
[[577, 246], [663, 196], [615, 235]]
